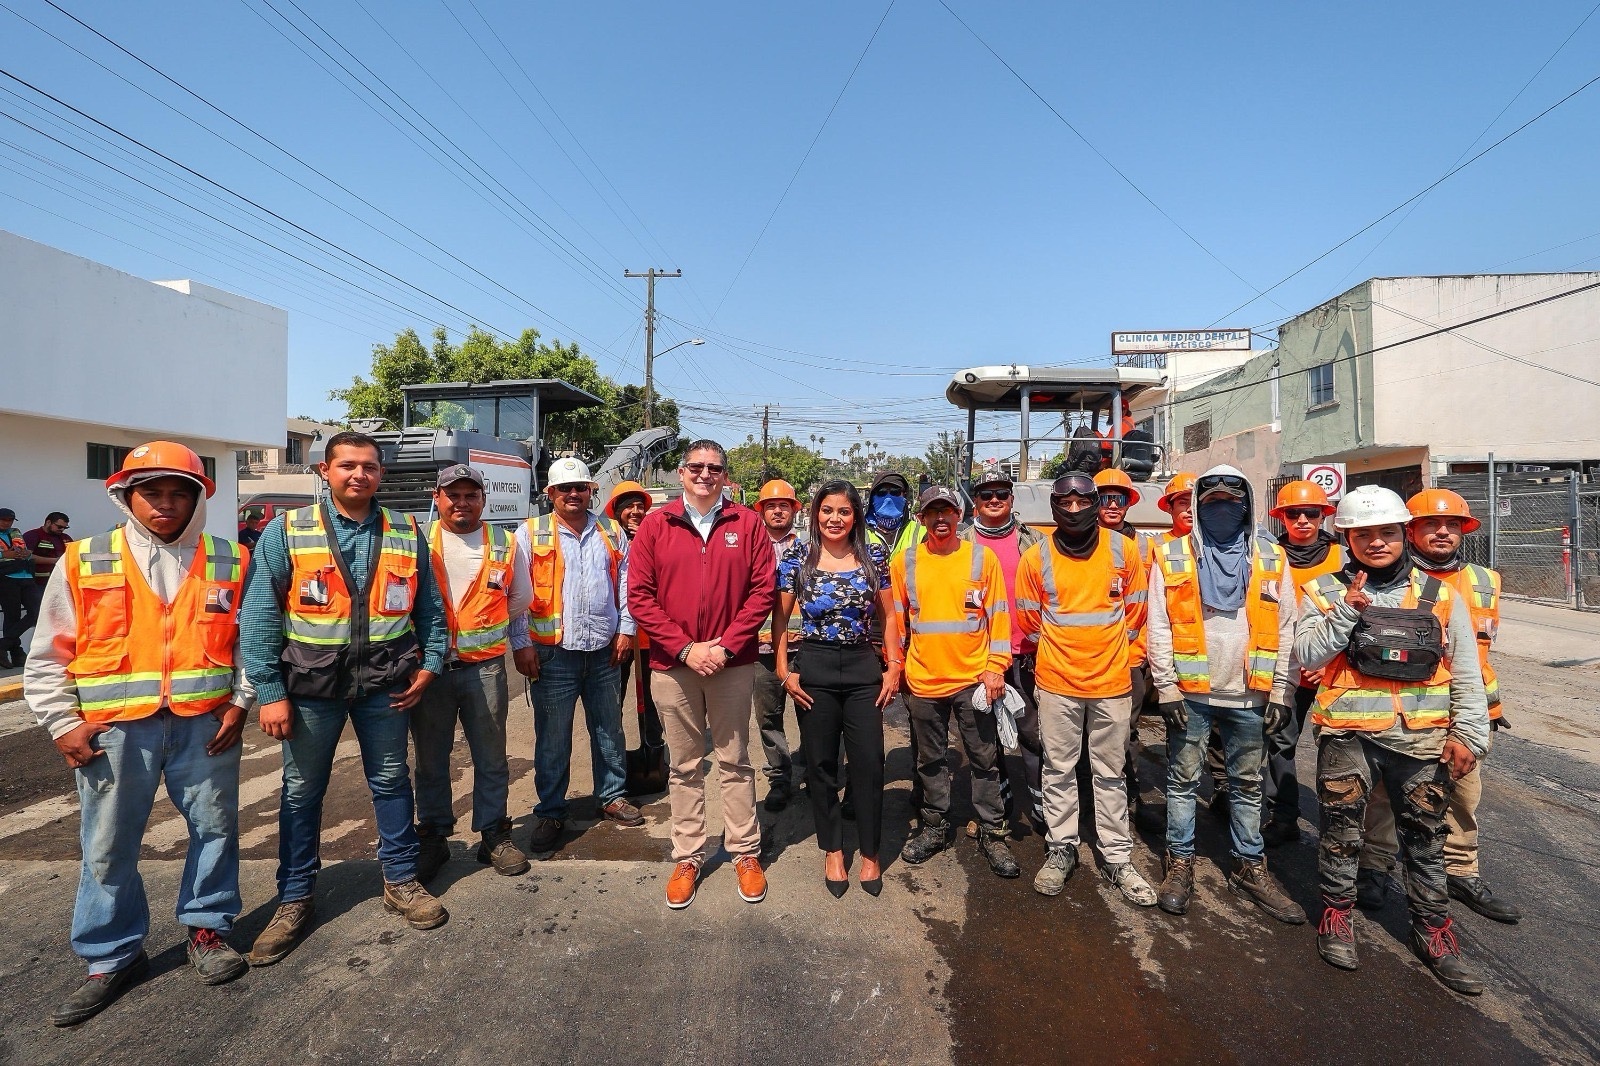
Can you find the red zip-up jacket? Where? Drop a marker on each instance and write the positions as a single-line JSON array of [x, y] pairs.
[[682, 590]]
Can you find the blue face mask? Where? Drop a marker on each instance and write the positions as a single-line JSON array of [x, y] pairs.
[[888, 510]]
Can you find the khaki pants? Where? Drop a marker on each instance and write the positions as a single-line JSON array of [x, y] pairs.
[[1063, 721], [1382, 847], [693, 707]]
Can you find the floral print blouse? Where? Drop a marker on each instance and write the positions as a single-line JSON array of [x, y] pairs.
[[836, 608]]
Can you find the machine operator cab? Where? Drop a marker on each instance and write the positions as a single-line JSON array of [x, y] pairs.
[[1083, 413]]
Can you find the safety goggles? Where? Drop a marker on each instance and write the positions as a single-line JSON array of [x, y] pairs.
[[1230, 484], [1313, 514], [993, 494], [1114, 499], [696, 469], [1076, 485]]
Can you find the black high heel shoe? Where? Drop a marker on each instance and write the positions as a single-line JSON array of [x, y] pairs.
[[838, 888], [874, 886]]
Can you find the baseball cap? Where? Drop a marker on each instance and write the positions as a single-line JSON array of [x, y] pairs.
[[6, 512], [460, 472], [992, 475], [938, 494]]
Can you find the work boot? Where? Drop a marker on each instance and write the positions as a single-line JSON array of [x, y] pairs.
[[289, 923], [1134, 888], [1372, 888], [1177, 883], [213, 958], [1436, 945], [433, 853], [1476, 893], [415, 903], [777, 796], [1336, 937], [498, 851], [1276, 833], [545, 838], [932, 837], [99, 992], [992, 846], [1059, 862], [1252, 881]]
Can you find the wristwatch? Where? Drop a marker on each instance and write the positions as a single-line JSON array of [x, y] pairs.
[[727, 653]]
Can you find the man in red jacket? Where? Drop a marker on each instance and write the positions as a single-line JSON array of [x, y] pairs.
[[701, 581]]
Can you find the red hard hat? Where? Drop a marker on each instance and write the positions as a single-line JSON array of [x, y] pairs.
[[163, 457]]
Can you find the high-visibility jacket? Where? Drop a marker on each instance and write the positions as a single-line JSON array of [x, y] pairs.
[[954, 614], [1331, 563], [325, 637], [911, 532], [1086, 613], [481, 623], [1479, 588], [548, 571], [134, 655], [1186, 614], [1349, 699], [1139, 649]]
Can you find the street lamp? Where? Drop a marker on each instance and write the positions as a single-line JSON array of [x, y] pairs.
[[650, 376]]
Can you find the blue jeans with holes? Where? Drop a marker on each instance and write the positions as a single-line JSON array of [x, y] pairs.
[[117, 791], [1244, 746], [307, 766], [564, 677]]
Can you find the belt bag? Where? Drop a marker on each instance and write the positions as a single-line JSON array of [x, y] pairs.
[[1400, 643]]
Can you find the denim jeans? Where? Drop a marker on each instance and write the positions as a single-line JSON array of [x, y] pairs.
[[308, 764], [475, 695], [117, 790], [564, 677], [1244, 745]]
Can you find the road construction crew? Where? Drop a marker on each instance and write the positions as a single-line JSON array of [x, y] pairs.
[[1177, 499], [1221, 650], [576, 635], [1081, 594], [134, 672], [1401, 702], [1117, 494], [342, 620], [483, 580], [1440, 518], [995, 526], [1312, 551], [950, 597], [778, 507]]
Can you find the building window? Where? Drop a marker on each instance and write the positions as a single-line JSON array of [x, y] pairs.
[[1321, 385], [1197, 436], [105, 460], [295, 453], [209, 465]]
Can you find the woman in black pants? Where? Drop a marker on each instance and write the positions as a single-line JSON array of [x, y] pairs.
[[837, 582]]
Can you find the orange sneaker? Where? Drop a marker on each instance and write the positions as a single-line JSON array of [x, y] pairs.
[[752, 882], [681, 885]]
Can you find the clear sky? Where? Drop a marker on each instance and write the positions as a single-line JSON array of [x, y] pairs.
[[944, 217]]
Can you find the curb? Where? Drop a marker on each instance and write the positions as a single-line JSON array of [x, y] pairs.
[[10, 689]]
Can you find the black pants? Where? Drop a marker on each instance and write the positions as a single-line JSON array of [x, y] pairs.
[[930, 743], [649, 718], [843, 681], [1020, 676], [1280, 785], [19, 601]]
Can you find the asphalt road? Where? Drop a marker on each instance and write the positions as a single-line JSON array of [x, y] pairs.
[[580, 960]]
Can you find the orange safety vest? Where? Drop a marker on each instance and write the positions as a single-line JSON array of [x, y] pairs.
[[1331, 563], [547, 571], [1084, 636], [134, 655], [1139, 646], [481, 622], [1349, 699], [318, 626], [1186, 615], [1480, 588]]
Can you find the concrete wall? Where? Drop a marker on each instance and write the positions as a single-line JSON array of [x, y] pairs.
[[1334, 331], [84, 343], [46, 470]]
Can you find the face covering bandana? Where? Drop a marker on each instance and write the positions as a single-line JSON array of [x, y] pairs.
[[1077, 532], [995, 531], [1305, 556], [888, 510], [1382, 577], [1224, 561]]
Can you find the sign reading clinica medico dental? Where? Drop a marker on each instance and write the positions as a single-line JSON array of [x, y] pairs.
[[1181, 340]]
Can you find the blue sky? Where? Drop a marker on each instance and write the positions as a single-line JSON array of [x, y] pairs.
[[944, 218]]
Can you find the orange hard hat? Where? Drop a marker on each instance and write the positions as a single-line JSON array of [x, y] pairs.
[[1112, 478], [1181, 482], [1301, 494], [626, 488], [777, 489], [1442, 502], [163, 457]]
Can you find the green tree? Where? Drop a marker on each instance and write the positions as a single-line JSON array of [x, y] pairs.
[[788, 459], [945, 455], [481, 357]]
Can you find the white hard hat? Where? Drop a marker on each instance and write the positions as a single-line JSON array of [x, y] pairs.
[[569, 471], [1371, 505]]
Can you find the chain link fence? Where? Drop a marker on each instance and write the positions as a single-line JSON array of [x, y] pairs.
[[1541, 531]]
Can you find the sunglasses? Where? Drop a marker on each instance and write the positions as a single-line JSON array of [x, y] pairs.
[[888, 492], [1312, 513], [568, 490], [1114, 499], [994, 494], [1231, 482], [696, 469]]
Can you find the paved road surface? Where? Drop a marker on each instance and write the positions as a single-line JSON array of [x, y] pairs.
[[580, 961]]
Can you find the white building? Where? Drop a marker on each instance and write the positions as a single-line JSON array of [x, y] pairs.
[[97, 362]]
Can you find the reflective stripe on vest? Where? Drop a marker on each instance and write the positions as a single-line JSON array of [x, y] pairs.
[[479, 625], [547, 572], [135, 655], [964, 625], [1348, 699], [317, 577], [1186, 614], [1080, 619], [1480, 586]]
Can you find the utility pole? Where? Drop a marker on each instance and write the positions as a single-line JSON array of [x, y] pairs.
[[766, 420], [650, 336]]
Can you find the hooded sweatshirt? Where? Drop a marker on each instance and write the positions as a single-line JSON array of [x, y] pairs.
[[1227, 632], [908, 531], [48, 687]]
